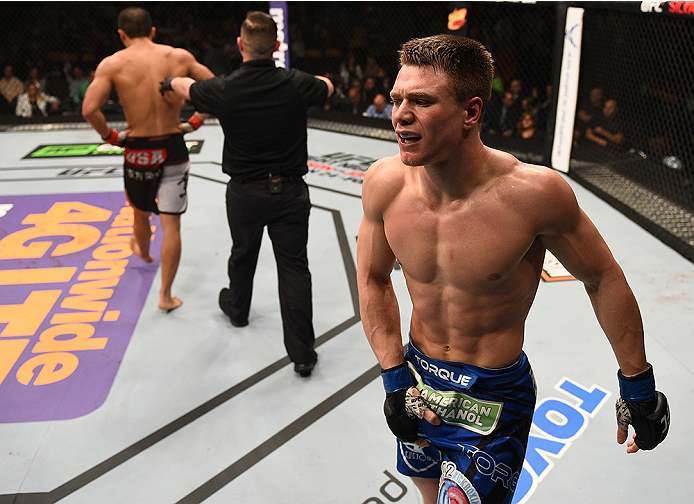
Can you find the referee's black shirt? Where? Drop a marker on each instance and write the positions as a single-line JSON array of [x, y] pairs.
[[262, 111]]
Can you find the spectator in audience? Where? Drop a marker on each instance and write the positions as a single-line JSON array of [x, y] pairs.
[[56, 85], [358, 107], [372, 68], [380, 108], [509, 114], [534, 98], [492, 115], [527, 105], [369, 90], [350, 69], [33, 103], [587, 111], [78, 94], [384, 82], [354, 82], [10, 88], [527, 126], [66, 65], [35, 77], [605, 129], [543, 107], [516, 88], [76, 80]]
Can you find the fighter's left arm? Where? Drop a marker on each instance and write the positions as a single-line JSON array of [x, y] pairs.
[[577, 244]]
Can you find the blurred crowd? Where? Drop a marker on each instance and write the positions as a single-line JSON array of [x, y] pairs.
[[51, 50]]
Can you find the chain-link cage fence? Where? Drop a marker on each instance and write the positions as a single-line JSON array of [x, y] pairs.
[[357, 43], [58, 44], [634, 130], [640, 70]]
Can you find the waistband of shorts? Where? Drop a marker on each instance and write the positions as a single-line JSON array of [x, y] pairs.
[[156, 138], [264, 179], [173, 144], [463, 375]]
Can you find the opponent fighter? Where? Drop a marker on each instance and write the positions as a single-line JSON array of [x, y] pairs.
[[469, 226], [156, 158]]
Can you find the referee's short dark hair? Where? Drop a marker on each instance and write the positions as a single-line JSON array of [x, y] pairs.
[[259, 32]]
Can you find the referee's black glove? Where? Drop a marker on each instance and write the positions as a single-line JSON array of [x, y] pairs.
[[165, 85]]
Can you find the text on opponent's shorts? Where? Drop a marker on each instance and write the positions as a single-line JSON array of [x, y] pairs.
[[486, 414], [155, 171]]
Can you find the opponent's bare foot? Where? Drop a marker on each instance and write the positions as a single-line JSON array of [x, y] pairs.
[[136, 250], [169, 305]]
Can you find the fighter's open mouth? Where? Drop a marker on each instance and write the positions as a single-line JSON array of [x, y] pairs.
[[409, 137]]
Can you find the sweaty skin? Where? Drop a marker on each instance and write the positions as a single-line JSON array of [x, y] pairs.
[[136, 73], [470, 226]]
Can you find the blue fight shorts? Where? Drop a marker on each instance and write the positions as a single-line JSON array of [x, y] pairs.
[[478, 450]]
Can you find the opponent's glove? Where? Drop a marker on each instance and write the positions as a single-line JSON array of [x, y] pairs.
[[642, 406], [165, 85], [116, 138], [191, 125], [397, 380]]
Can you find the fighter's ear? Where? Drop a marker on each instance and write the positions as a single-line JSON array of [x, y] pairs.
[[153, 33], [473, 112]]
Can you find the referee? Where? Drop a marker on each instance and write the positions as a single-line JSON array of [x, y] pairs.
[[262, 111]]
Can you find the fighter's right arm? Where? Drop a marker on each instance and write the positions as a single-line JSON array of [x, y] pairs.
[[96, 95], [380, 313], [378, 304]]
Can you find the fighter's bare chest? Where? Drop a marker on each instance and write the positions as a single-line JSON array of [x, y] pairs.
[[469, 243]]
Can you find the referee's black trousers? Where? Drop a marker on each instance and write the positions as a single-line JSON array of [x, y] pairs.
[[250, 208]]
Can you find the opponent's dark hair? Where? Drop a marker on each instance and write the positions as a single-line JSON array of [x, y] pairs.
[[259, 33], [135, 22], [467, 64]]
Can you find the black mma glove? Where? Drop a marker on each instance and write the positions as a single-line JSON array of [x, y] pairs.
[[397, 380], [116, 138], [165, 85], [642, 406]]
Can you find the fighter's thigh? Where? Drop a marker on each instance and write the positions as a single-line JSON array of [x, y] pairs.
[[428, 487], [172, 195]]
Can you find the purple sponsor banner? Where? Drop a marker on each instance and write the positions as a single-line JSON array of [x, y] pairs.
[[279, 12], [71, 292]]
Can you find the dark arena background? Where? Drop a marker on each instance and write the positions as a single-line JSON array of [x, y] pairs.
[[105, 398], [639, 54]]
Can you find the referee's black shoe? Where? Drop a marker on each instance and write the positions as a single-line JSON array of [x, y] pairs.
[[304, 368], [224, 305]]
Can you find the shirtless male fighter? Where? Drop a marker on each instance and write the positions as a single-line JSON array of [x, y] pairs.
[[470, 225], [156, 158]]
